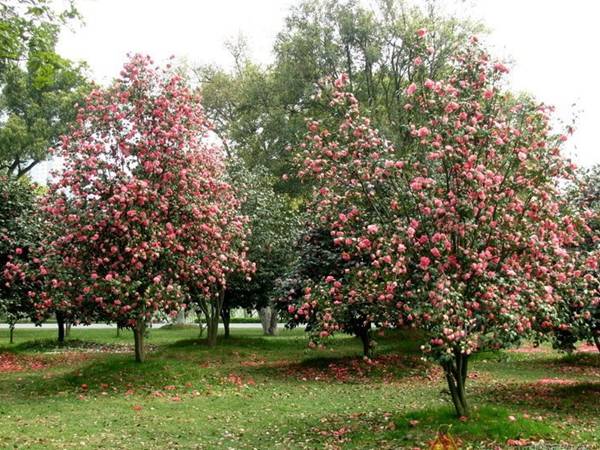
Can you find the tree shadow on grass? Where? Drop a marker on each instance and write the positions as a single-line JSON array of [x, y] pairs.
[[52, 345], [486, 426], [113, 374], [548, 395], [387, 368]]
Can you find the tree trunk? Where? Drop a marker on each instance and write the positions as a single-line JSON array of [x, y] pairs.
[[213, 313], [11, 332], [118, 331], [265, 318], [226, 316], [138, 335], [68, 329], [364, 333], [212, 328], [456, 376], [60, 320], [272, 331]]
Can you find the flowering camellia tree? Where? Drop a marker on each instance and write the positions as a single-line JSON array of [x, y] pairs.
[[19, 233], [319, 259], [149, 221], [579, 312], [461, 232]]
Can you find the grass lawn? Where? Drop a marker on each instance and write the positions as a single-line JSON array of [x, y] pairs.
[[273, 392]]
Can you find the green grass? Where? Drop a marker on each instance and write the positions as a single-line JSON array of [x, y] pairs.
[[273, 392]]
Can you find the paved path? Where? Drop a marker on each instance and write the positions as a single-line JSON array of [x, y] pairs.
[[101, 326]]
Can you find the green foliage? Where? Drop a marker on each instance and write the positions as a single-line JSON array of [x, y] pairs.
[[24, 21], [274, 224], [260, 111], [40, 89]]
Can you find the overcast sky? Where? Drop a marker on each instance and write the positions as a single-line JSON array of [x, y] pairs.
[[553, 44]]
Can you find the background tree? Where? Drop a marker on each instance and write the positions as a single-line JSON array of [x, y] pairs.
[[274, 224], [579, 318], [260, 111], [465, 228], [23, 21], [39, 87]]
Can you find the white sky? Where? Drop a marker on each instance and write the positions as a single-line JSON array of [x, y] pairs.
[[553, 44]]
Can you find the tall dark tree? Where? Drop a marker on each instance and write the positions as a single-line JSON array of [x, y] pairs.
[[274, 224]]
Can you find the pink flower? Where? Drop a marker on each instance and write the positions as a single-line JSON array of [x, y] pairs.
[[499, 67], [19, 251], [429, 84], [410, 90], [452, 106], [417, 61], [372, 229], [156, 279], [421, 32], [364, 244], [423, 132], [435, 252], [341, 81], [424, 262]]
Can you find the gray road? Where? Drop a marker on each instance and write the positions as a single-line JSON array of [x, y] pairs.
[[100, 326]]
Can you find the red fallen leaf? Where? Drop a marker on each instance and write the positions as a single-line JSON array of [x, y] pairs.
[[341, 431], [176, 399], [518, 442], [137, 407], [129, 392], [170, 387], [104, 386], [413, 423], [188, 384], [158, 394], [235, 379], [84, 387], [555, 381], [463, 418]]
